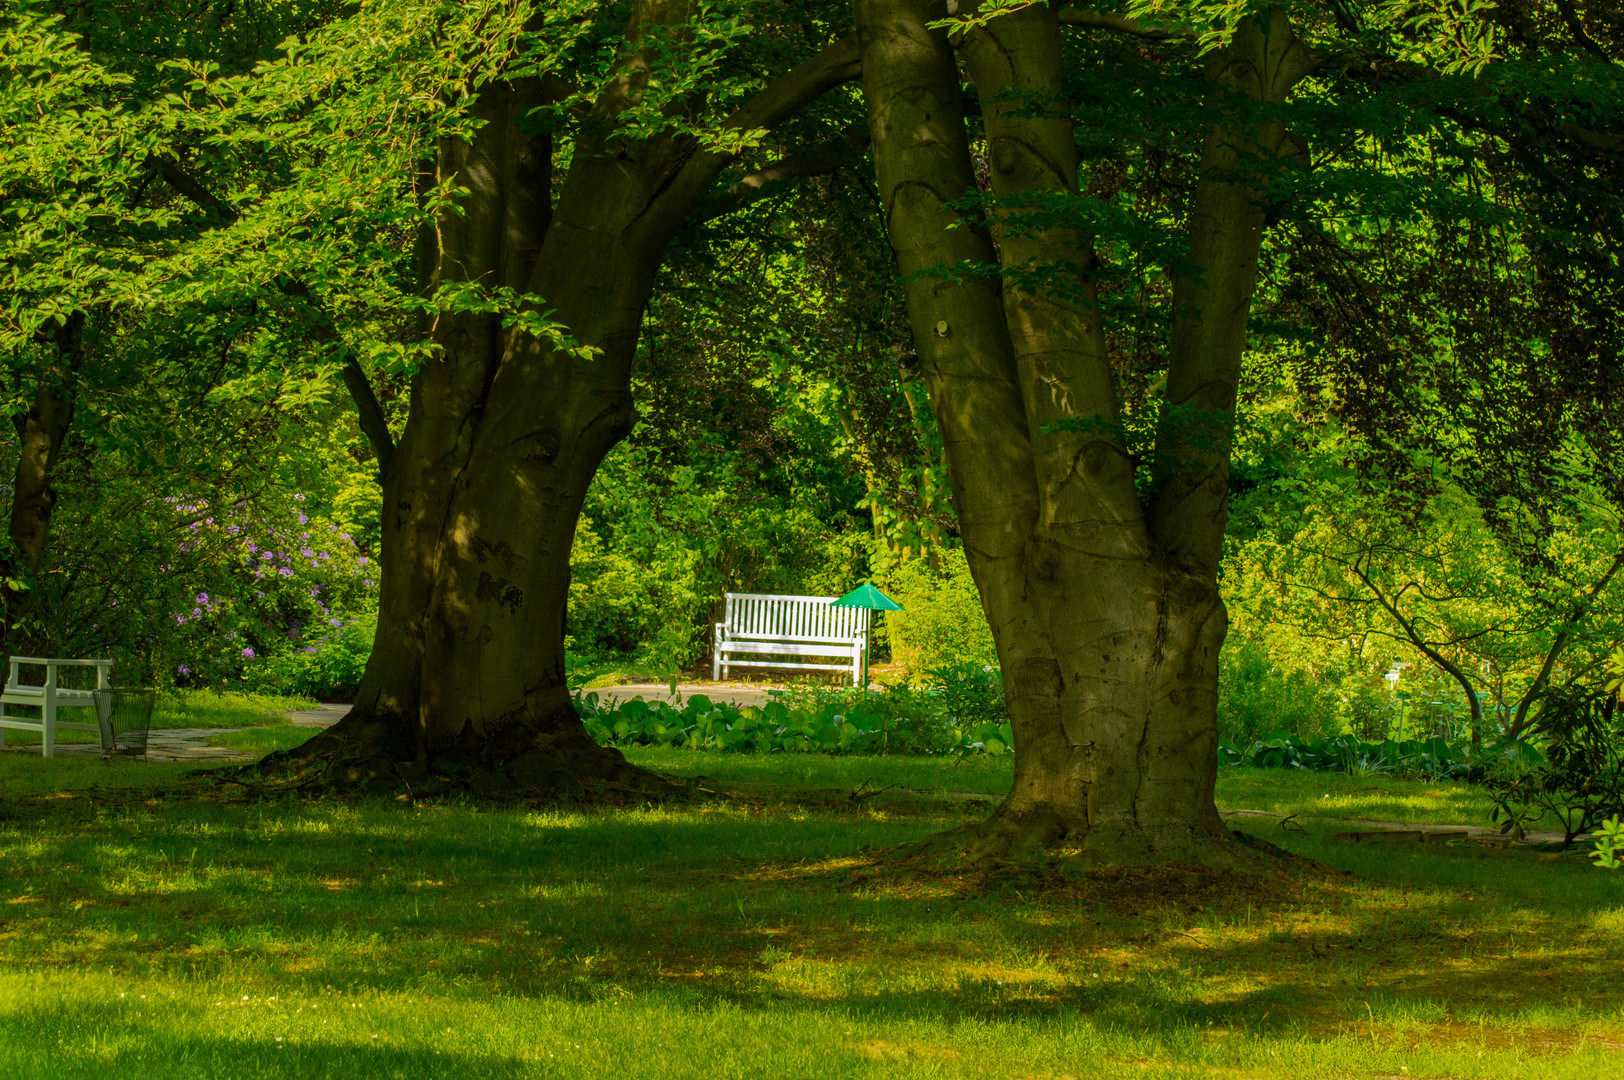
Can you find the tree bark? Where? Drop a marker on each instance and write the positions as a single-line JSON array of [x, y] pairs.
[[40, 433], [1105, 610], [505, 431]]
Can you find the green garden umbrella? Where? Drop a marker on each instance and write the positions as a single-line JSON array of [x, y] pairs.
[[867, 596]]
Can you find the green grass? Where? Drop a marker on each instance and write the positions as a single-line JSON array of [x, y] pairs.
[[1287, 791], [976, 775], [187, 936], [264, 740], [185, 709], [1328, 794], [207, 708]]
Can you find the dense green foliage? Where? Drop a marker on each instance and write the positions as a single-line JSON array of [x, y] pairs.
[[1580, 781], [1423, 479], [959, 710], [1423, 758]]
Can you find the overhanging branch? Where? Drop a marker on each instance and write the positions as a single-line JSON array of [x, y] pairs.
[[819, 160], [1120, 24], [370, 412]]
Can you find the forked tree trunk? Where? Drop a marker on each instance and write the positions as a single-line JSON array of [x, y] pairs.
[[505, 432], [1105, 610]]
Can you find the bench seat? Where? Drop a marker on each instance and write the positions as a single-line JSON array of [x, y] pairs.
[[48, 697], [771, 625]]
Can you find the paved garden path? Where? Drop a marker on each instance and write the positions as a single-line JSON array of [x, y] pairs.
[[739, 695], [163, 744], [320, 716], [192, 744]]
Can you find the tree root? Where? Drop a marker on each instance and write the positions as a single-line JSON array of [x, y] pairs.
[[364, 756], [1042, 836]]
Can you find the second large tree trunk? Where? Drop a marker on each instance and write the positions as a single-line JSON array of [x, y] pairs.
[[1105, 609]]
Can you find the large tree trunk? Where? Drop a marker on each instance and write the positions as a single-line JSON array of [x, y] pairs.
[[505, 432], [1105, 611]]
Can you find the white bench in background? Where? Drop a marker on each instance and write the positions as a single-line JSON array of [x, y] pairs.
[[761, 625], [48, 697]]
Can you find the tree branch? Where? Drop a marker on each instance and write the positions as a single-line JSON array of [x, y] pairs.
[[1120, 24], [177, 177], [806, 82], [819, 160], [1438, 658], [370, 413], [367, 407], [809, 80], [1520, 721], [1577, 29]]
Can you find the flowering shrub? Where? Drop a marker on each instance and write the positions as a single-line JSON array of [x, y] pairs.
[[266, 599], [330, 668]]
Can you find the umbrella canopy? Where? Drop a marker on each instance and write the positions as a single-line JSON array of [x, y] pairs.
[[867, 596]]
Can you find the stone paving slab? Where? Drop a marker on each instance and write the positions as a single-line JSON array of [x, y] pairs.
[[738, 696], [163, 744], [320, 716], [1474, 832]]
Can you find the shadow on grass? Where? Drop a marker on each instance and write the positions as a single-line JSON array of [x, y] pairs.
[[776, 907]]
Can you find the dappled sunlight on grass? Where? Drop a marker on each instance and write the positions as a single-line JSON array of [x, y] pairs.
[[1327, 794], [209, 708], [372, 938]]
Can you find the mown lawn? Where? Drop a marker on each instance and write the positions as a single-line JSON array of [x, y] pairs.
[[154, 933], [188, 709]]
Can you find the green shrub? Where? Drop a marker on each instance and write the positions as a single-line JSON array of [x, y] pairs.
[[1408, 758], [960, 712], [1580, 782], [1255, 697], [943, 624], [328, 669], [971, 693]]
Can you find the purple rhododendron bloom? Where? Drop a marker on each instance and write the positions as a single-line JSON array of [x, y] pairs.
[[197, 613], [307, 553], [183, 669], [303, 520], [202, 597], [285, 572], [248, 652], [308, 649], [362, 560]]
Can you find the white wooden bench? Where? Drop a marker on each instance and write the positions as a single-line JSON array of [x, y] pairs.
[[764, 625], [48, 697]]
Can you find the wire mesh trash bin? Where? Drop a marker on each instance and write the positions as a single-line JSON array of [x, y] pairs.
[[125, 717]]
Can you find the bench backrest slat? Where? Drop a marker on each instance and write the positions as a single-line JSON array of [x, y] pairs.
[[792, 618]]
